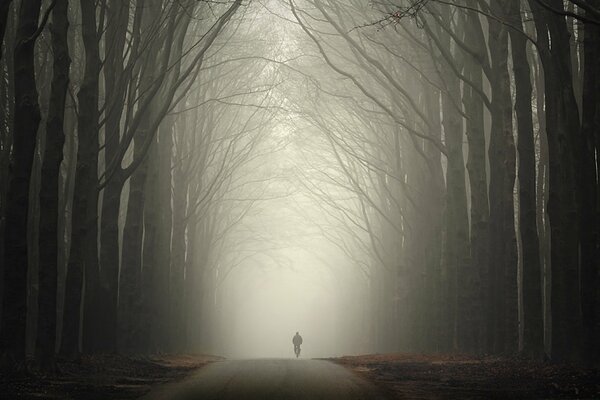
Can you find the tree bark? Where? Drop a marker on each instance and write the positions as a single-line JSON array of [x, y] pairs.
[[435, 198], [542, 198], [84, 251], [49, 191], [180, 194], [533, 321], [562, 126], [457, 225], [163, 239], [117, 22], [150, 300], [477, 168], [590, 210], [25, 125], [130, 305], [4, 11], [131, 284], [192, 270], [502, 159], [66, 203], [8, 92], [89, 117]]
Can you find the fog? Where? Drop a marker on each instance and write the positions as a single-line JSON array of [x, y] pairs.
[[211, 177], [287, 264], [285, 274]]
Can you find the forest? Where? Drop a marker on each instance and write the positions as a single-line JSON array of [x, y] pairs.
[[430, 166]]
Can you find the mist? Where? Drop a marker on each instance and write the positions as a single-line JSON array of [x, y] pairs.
[[211, 177]]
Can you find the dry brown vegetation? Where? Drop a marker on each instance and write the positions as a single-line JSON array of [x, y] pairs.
[[445, 376], [102, 377]]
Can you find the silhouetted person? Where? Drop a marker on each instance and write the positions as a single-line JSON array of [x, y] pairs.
[[297, 340]]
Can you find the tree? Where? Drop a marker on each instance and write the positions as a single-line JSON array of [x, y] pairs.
[[4, 9], [49, 191], [533, 320], [83, 259], [26, 121], [562, 130]]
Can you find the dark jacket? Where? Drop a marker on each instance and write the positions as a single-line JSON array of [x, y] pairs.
[[297, 340]]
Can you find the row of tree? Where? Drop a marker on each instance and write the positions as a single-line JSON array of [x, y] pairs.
[[468, 134], [123, 124], [451, 145]]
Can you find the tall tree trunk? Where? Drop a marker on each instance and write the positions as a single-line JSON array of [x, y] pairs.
[[477, 168], [130, 285], [117, 22], [562, 126], [26, 122], [590, 217], [49, 192], [43, 74], [83, 255], [109, 257], [150, 296], [533, 321], [192, 273], [157, 240], [436, 196], [89, 120], [131, 270], [456, 264], [4, 11], [180, 194], [542, 197], [66, 205], [163, 239], [8, 88], [457, 220], [502, 158]]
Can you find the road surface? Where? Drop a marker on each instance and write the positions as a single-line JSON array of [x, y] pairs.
[[269, 379]]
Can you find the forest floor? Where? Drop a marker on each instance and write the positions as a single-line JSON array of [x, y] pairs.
[[416, 376], [403, 376], [102, 377]]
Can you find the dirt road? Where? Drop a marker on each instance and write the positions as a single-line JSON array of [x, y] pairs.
[[270, 379]]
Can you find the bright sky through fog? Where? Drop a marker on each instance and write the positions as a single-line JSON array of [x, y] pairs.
[[279, 269], [294, 279]]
